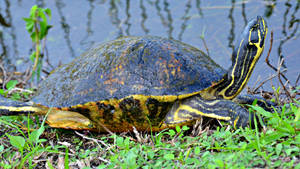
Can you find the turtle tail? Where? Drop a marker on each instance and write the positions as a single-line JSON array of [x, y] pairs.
[[12, 108]]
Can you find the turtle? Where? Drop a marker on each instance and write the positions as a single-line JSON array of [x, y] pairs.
[[149, 82]]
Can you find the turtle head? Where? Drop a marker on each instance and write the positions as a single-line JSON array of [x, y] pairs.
[[244, 57], [252, 40]]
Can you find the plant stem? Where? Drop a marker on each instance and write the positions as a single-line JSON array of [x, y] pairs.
[[37, 49]]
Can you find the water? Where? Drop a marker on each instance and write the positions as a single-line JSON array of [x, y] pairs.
[[78, 25]]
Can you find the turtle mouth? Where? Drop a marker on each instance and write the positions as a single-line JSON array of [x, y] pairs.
[[256, 31]]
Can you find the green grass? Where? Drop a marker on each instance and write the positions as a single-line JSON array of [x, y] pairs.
[[276, 145]]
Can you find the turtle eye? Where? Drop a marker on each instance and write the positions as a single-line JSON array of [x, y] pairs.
[[253, 37]]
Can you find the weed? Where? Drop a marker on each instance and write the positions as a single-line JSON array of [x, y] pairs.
[[37, 26]]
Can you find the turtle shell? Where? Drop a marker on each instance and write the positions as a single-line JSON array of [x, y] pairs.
[[145, 66]]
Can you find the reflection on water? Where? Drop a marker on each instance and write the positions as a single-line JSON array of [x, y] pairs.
[[3, 22], [289, 27], [169, 19], [165, 21], [11, 32], [89, 32], [198, 6], [64, 25], [144, 17], [128, 16], [244, 12], [185, 19], [231, 35], [80, 24], [115, 20]]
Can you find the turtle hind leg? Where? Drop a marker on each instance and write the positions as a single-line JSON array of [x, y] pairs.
[[69, 120], [193, 108]]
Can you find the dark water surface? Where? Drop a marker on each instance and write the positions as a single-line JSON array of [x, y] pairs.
[[79, 24]]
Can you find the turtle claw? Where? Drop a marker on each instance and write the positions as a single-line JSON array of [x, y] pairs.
[[69, 120]]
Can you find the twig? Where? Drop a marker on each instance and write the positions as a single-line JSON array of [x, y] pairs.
[[263, 82], [17, 89], [93, 139], [267, 58], [137, 134], [105, 128], [296, 83], [4, 74], [102, 159], [284, 88], [203, 40]]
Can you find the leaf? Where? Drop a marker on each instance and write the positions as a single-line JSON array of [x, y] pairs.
[[11, 84], [49, 164], [43, 16], [178, 130], [1, 148], [33, 35], [185, 128], [120, 141], [297, 114], [101, 166], [297, 139], [35, 135], [2, 92], [171, 133], [28, 19], [48, 12], [274, 136], [67, 158], [298, 165], [197, 150], [169, 156], [41, 140], [192, 161], [16, 96], [219, 162], [43, 29], [278, 149], [151, 154], [32, 56], [17, 141], [286, 128], [262, 111], [33, 10]]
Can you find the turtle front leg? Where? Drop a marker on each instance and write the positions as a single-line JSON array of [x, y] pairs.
[[193, 108], [249, 99]]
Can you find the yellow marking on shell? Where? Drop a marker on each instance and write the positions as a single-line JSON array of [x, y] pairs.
[[25, 108], [235, 122], [138, 87], [95, 113], [173, 72], [112, 91]]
